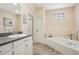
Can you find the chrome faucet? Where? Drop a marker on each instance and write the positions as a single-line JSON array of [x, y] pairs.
[[69, 43]]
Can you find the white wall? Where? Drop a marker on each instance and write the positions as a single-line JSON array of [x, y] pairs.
[[60, 27]]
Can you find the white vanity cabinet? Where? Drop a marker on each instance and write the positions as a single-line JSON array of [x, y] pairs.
[[23, 46], [6, 49], [19, 47]]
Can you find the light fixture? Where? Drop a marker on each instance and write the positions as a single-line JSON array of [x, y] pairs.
[[15, 4], [16, 10]]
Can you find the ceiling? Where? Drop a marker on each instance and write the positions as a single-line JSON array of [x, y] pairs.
[[15, 8], [10, 7], [49, 6]]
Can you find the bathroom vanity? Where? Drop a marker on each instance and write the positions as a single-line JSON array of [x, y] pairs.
[[16, 45]]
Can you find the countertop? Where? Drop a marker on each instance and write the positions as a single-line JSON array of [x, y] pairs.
[[6, 40]]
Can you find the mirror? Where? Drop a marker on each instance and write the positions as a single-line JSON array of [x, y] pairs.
[[9, 17]]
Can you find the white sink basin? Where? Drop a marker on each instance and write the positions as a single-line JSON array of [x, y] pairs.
[[17, 35]]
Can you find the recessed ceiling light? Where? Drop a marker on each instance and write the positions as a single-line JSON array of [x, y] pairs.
[[16, 10], [15, 3]]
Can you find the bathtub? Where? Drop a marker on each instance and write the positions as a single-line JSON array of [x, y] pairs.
[[63, 45]]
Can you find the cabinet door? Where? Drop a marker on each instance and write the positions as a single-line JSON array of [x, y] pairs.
[[18, 43], [8, 53], [23, 47], [5, 48], [28, 46], [20, 50]]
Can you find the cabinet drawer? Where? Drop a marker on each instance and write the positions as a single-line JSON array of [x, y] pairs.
[[5, 48], [28, 39]]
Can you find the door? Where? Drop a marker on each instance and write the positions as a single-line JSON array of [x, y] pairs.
[[39, 28]]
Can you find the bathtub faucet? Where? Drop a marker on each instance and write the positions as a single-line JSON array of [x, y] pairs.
[[69, 43]]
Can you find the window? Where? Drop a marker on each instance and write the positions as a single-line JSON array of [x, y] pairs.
[[59, 16]]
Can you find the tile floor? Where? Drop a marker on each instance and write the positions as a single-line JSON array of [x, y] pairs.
[[42, 49]]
